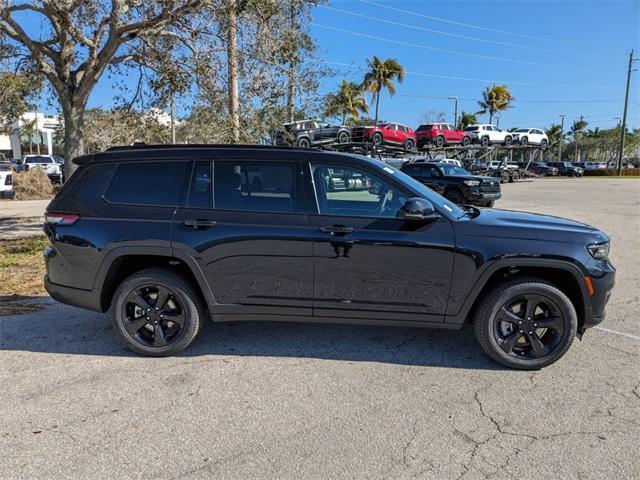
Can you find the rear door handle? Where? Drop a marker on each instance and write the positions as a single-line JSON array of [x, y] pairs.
[[199, 223], [341, 229]]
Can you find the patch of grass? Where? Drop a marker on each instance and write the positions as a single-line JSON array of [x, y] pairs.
[[22, 267]]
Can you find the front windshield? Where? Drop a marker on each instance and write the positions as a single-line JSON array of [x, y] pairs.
[[453, 170], [423, 191]]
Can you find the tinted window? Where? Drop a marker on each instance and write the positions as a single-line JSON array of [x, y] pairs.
[[471, 129], [200, 187], [148, 183], [39, 160], [254, 186], [349, 191]]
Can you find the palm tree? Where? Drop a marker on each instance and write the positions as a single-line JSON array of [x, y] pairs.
[[348, 101], [554, 134], [28, 129], [495, 99], [381, 75], [466, 119], [576, 131]]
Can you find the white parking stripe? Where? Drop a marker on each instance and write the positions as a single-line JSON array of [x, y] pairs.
[[622, 334]]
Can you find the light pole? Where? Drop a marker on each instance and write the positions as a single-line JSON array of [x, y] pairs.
[[561, 138], [455, 111], [624, 114]]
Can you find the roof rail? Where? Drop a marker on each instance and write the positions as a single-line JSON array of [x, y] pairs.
[[160, 146]]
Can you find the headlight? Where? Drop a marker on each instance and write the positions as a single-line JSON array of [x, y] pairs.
[[599, 251], [472, 183]]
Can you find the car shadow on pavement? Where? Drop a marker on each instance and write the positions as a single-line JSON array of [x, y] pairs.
[[61, 329]]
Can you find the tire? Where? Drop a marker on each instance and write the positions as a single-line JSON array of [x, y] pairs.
[[408, 144], [508, 140], [524, 141], [181, 301], [484, 141], [304, 142], [377, 139], [343, 137], [455, 196], [490, 204], [509, 337], [543, 144], [466, 141], [439, 141]]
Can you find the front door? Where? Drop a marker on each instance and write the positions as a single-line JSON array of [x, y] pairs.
[[244, 223], [367, 262]]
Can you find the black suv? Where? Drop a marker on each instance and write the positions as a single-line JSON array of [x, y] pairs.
[[168, 236], [567, 168], [311, 133], [455, 183]]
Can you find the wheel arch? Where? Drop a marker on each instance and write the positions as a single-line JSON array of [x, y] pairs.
[[122, 262], [566, 276]]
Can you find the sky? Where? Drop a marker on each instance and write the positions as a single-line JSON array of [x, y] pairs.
[[557, 56]]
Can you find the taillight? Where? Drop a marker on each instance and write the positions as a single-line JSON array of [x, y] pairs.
[[8, 180], [61, 218]]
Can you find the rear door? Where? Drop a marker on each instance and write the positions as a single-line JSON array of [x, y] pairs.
[[368, 263], [244, 224]]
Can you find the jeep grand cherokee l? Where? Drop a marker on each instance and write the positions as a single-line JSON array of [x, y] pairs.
[[455, 183], [392, 134], [168, 236], [441, 134]]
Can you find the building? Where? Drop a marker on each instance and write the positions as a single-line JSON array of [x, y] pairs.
[[44, 130]]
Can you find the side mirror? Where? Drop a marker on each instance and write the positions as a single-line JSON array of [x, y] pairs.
[[418, 209]]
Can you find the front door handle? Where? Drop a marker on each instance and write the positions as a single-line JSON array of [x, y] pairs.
[[199, 223], [339, 229]]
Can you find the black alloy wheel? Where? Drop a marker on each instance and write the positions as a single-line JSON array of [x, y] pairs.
[[157, 312], [525, 323]]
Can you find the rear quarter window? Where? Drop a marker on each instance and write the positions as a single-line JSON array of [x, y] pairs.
[[148, 183]]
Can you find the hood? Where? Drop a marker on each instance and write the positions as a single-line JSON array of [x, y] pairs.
[[534, 226]]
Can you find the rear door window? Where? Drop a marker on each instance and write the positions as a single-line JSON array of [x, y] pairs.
[[201, 186], [148, 183], [254, 186]]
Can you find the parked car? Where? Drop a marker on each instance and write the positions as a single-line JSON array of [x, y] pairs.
[[587, 165], [541, 168], [386, 134], [52, 168], [450, 161], [489, 135], [499, 164], [530, 136], [6, 179], [441, 134], [567, 169], [227, 233], [310, 133], [455, 183], [601, 165], [16, 164]]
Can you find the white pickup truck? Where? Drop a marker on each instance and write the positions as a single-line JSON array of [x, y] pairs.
[[6, 179], [52, 168]]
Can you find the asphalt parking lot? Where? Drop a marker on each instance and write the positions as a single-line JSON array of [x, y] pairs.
[[289, 401]]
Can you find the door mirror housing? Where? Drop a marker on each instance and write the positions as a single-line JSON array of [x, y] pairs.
[[418, 208]]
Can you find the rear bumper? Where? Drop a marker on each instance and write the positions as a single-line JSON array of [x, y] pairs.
[[89, 299]]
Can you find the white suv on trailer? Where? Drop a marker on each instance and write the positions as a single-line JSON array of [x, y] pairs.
[[530, 136], [486, 134]]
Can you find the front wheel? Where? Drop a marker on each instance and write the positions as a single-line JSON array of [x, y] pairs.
[[543, 145], [508, 141], [377, 138], [455, 196], [304, 142], [343, 137], [440, 141], [157, 312], [408, 144], [524, 141], [466, 141], [484, 141], [525, 323]]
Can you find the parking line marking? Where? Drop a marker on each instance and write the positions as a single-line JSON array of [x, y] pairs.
[[622, 334]]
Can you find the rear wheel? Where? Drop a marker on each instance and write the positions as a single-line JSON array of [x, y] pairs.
[[525, 323], [484, 141], [508, 140], [439, 141], [343, 137], [524, 141], [408, 144], [304, 142], [157, 312], [543, 145], [455, 196], [377, 138], [466, 141]]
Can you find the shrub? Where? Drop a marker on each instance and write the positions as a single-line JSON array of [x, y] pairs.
[[612, 172], [32, 185]]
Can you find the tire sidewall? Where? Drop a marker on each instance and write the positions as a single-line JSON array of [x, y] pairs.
[[193, 313], [502, 296], [377, 138]]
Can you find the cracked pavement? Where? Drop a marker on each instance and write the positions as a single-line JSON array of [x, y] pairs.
[[295, 401]]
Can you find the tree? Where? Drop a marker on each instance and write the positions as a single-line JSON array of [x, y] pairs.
[[347, 102], [17, 93], [576, 131], [466, 119], [80, 39], [433, 116], [495, 99], [554, 134], [381, 75]]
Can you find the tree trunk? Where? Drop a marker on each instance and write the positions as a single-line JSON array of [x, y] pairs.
[[73, 141], [491, 118], [232, 62], [377, 104]]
